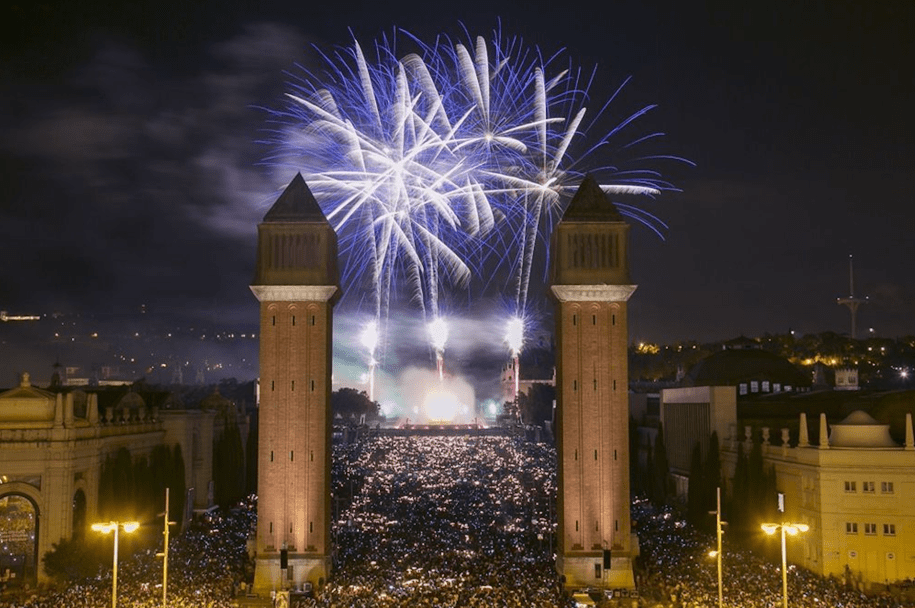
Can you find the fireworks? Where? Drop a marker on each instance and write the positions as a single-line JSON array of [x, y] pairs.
[[438, 335], [514, 337], [369, 338], [436, 164]]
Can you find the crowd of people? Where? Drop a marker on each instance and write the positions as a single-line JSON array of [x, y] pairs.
[[206, 562], [676, 570], [444, 521], [448, 522]]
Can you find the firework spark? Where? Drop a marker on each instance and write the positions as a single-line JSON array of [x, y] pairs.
[[456, 157]]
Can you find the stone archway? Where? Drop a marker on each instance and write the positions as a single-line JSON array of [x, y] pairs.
[[19, 533]]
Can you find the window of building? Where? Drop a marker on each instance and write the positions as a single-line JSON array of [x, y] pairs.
[[870, 529], [851, 528], [889, 529], [868, 486], [765, 386], [596, 570], [886, 487], [743, 388], [754, 386], [777, 387], [851, 486]]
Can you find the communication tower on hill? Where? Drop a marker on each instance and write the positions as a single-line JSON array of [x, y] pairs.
[[852, 301]]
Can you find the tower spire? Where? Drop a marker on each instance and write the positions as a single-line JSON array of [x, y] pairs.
[[296, 282], [590, 283], [851, 301]]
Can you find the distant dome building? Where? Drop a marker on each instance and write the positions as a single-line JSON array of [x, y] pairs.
[[743, 364], [859, 430]]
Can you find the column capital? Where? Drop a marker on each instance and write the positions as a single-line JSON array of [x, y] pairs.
[[593, 293], [293, 293]]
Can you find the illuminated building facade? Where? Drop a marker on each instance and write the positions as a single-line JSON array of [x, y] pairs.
[[296, 282], [591, 285], [53, 446], [689, 415], [856, 491]]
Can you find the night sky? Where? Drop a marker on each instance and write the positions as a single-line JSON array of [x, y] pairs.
[[130, 171]]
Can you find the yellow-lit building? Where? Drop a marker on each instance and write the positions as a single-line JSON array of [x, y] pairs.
[[856, 491], [53, 446]]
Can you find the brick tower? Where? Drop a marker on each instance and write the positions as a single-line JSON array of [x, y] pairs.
[[590, 283], [296, 282]]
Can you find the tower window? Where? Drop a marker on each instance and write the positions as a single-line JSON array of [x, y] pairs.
[[574, 385], [597, 526], [271, 527], [312, 319], [271, 455], [272, 385], [293, 385], [293, 320], [616, 525], [576, 525], [312, 385], [614, 454], [574, 319], [613, 319], [311, 526], [576, 454], [614, 385], [311, 456], [595, 384], [593, 319], [595, 454], [291, 458], [274, 320], [290, 528]]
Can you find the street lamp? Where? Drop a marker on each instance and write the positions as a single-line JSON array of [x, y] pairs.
[[791, 530], [127, 526], [717, 553]]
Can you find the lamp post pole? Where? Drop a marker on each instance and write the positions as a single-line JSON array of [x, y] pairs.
[[114, 526], [717, 553], [718, 530], [785, 528], [114, 571]]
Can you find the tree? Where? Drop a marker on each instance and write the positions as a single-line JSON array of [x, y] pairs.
[[712, 473], [350, 403], [177, 485], [251, 457], [695, 496], [637, 484], [229, 474], [661, 469], [71, 560], [537, 404]]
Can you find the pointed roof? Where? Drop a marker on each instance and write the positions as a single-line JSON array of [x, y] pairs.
[[591, 204], [296, 204]]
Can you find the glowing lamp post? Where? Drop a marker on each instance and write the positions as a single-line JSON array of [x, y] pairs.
[[790, 530], [717, 553], [113, 526]]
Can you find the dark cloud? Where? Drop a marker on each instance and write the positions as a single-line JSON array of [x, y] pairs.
[[130, 168]]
